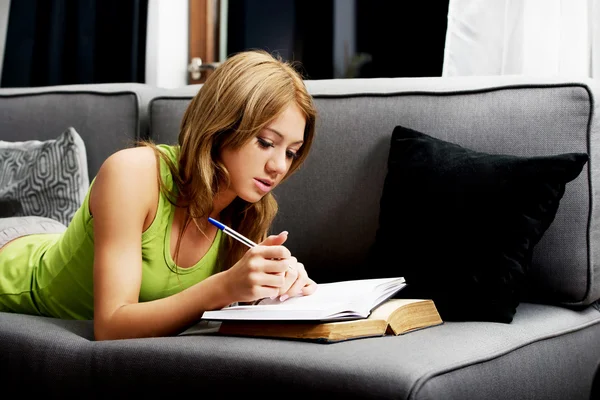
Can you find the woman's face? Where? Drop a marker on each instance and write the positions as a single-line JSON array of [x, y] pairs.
[[259, 165]]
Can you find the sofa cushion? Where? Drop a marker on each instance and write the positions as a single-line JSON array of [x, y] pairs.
[[43, 178], [461, 225], [456, 360]]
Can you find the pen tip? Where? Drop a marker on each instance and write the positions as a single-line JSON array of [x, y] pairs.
[[216, 223]]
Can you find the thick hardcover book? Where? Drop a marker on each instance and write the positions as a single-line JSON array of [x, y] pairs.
[[393, 317], [336, 311]]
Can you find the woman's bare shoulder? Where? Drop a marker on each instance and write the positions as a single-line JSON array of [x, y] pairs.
[[129, 173], [132, 158]]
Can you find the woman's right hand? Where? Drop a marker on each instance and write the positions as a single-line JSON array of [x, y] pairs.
[[260, 272]]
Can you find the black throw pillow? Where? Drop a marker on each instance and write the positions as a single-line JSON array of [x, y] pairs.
[[460, 225]]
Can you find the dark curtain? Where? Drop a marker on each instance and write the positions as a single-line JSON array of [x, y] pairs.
[[403, 38], [57, 42], [236, 27], [313, 37], [299, 30]]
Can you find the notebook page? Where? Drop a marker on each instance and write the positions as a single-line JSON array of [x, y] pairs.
[[328, 295], [330, 300]]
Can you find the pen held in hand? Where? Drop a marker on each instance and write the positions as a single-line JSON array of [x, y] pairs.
[[232, 233], [236, 235]]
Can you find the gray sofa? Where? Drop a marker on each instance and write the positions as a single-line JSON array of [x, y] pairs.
[[330, 207]]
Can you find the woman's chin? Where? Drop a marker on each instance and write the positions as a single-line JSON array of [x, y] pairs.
[[251, 198]]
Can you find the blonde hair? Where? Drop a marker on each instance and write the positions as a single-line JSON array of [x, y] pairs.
[[241, 97]]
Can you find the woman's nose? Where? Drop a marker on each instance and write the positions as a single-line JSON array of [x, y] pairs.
[[278, 163]]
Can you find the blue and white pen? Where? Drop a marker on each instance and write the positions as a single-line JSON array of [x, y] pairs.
[[232, 233], [236, 235]]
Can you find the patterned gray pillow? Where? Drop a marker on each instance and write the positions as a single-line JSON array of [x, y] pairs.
[[43, 178]]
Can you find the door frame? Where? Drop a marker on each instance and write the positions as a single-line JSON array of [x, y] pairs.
[[204, 32]]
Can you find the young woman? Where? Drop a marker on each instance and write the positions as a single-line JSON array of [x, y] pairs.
[[139, 256]]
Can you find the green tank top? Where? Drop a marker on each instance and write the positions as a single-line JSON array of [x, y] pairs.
[[51, 274]]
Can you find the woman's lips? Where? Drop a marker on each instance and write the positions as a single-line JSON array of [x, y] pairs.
[[262, 186]]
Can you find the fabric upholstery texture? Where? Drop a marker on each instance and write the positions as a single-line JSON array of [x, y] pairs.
[[461, 225], [108, 117], [456, 360], [14, 227], [44, 178]]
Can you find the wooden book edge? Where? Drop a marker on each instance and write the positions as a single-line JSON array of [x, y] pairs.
[[394, 317]]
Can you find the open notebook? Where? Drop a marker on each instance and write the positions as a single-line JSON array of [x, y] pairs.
[[335, 301]]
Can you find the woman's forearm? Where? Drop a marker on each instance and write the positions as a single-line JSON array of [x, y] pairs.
[[166, 316]]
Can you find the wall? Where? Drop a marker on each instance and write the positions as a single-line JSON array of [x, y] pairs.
[[167, 43]]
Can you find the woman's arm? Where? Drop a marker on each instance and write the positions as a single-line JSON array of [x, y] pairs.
[[123, 201], [124, 196]]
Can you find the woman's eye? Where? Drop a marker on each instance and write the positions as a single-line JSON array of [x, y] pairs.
[[292, 155], [264, 144]]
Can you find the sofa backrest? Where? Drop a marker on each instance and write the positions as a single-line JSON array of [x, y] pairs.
[[108, 117], [331, 205]]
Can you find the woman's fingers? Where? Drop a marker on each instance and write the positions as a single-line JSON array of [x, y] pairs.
[[275, 271], [273, 281], [270, 252], [297, 281], [309, 288], [276, 267], [291, 277], [275, 240]]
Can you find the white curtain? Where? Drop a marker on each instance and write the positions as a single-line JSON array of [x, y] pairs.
[[523, 37], [4, 10]]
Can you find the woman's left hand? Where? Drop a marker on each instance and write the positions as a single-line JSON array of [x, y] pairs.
[[297, 281]]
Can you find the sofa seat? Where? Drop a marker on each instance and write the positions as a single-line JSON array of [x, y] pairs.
[[451, 361]]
